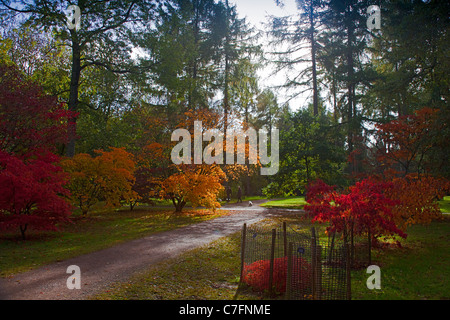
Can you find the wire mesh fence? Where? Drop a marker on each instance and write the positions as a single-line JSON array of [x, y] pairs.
[[293, 265]]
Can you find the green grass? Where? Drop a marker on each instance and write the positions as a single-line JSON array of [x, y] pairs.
[[90, 233], [417, 270], [288, 203], [210, 272], [445, 204], [299, 202]]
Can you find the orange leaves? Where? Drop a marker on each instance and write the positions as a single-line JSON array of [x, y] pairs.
[[152, 155], [210, 119], [405, 145], [108, 177], [196, 138], [417, 199], [198, 185]]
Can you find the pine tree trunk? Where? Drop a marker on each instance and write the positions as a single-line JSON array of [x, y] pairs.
[[313, 59]]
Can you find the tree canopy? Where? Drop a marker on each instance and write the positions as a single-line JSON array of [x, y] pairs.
[[104, 97]]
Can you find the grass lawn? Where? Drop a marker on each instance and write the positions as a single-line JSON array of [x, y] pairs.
[[210, 272], [89, 233], [288, 203], [417, 270], [445, 204], [299, 202]]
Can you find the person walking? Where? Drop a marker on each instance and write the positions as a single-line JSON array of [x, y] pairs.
[[228, 194], [239, 195]]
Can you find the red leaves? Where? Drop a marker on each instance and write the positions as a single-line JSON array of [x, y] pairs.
[[32, 192], [403, 142], [377, 207], [29, 119], [317, 189], [256, 274], [405, 157], [364, 208]]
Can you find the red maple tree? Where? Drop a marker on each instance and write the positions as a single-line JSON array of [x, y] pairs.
[[29, 119], [257, 274], [32, 126], [32, 193], [404, 157], [364, 208], [403, 143]]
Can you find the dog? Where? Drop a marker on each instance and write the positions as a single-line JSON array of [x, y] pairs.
[[250, 203]]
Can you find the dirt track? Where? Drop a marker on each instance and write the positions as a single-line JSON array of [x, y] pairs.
[[102, 268]]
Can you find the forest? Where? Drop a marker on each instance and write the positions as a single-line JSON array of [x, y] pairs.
[[87, 110]]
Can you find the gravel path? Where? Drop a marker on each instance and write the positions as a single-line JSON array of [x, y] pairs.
[[102, 268]]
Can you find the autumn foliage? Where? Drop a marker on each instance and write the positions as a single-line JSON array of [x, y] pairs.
[[197, 184], [158, 176], [363, 208], [32, 192], [399, 194], [32, 126], [403, 143], [403, 158], [144, 187], [106, 177], [256, 274], [317, 189], [29, 119], [376, 208], [417, 199]]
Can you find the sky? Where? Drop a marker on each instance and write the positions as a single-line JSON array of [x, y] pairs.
[[256, 12]]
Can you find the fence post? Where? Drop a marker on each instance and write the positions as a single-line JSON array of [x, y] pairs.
[[284, 238], [244, 236], [331, 248], [313, 263], [348, 273], [318, 258], [272, 257], [289, 273]]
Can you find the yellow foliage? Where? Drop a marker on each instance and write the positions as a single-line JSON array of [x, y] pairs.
[[109, 177]]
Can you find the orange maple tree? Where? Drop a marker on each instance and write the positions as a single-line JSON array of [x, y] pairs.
[[108, 177], [403, 146], [198, 184], [417, 199]]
